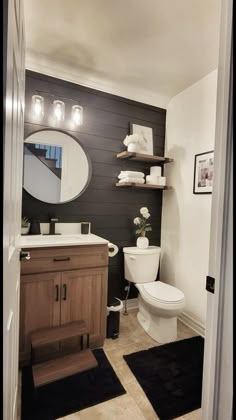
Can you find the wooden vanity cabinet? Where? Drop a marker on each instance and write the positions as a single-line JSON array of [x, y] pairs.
[[39, 308], [61, 285]]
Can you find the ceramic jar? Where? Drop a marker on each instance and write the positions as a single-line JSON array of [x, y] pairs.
[[25, 230], [133, 147], [142, 242]]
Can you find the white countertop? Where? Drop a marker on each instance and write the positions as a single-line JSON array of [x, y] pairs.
[[40, 241]]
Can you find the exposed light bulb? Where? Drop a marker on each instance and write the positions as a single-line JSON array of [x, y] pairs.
[[59, 110], [77, 114], [38, 105]]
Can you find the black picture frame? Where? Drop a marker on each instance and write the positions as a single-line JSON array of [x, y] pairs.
[[203, 173]]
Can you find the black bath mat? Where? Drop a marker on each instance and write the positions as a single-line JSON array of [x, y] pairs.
[[171, 376], [69, 395]]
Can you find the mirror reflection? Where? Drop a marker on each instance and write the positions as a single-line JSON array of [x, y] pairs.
[[56, 167]]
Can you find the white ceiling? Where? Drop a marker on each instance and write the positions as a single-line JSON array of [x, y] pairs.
[[142, 49]]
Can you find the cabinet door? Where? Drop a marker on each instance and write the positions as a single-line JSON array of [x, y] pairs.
[[86, 299], [39, 308]]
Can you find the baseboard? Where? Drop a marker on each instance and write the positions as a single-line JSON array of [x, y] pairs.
[[192, 323], [131, 303]]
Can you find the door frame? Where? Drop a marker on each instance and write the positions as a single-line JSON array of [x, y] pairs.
[[13, 120], [221, 221], [220, 205]]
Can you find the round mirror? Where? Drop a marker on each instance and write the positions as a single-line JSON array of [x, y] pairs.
[[56, 167]]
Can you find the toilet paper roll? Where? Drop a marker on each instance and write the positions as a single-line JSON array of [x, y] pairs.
[[161, 180], [156, 180], [155, 170], [113, 249], [151, 179]]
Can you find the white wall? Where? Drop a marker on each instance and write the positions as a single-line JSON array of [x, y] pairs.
[[185, 230]]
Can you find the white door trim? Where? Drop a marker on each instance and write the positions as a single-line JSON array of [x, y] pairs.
[[13, 100], [219, 226]]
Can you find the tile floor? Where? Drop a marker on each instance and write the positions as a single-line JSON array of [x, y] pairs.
[[134, 405]]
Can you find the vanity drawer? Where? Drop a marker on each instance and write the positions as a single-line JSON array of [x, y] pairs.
[[65, 258]]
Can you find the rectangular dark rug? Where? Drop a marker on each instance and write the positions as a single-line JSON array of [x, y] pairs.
[[171, 376], [69, 395]]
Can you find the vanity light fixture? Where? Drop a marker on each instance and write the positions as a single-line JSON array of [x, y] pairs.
[[58, 107], [38, 105], [77, 114], [59, 110]]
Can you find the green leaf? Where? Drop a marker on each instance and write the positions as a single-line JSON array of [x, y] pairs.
[[24, 222]]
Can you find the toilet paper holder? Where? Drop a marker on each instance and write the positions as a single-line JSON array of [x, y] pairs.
[[113, 249]]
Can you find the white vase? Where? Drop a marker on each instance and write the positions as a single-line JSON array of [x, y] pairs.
[[25, 230], [142, 242], [133, 147]]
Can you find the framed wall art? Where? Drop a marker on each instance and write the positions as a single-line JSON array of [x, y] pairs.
[[203, 173], [147, 133]]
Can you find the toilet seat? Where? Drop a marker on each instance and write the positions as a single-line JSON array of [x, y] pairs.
[[156, 293]]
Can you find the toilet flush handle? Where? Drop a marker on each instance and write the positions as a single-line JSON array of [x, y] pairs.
[[132, 257]]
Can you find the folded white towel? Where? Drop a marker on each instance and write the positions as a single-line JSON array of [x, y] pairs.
[[131, 179], [133, 174]]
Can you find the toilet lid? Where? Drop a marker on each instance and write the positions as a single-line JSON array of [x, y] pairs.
[[136, 250], [161, 292]]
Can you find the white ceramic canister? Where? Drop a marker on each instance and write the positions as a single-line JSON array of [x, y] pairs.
[[133, 147]]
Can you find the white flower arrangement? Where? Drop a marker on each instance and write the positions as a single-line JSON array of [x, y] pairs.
[[141, 222], [135, 138]]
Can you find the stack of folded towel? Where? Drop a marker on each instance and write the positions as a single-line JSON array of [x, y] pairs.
[[131, 176]]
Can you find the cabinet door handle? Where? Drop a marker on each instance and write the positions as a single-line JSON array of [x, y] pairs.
[[61, 259], [57, 293], [25, 255], [65, 289]]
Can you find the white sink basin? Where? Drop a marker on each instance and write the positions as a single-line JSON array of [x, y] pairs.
[[37, 241], [50, 238]]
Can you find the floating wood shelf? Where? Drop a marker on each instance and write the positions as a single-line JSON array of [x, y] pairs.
[[53, 370], [145, 186], [143, 158]]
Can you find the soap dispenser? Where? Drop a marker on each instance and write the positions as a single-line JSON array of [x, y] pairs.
[[35, 227]]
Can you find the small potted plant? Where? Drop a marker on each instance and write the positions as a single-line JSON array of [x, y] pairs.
[[25, 225], [143, 227], [134, 142]]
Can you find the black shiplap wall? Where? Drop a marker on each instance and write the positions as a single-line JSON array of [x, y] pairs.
[[110, 210]]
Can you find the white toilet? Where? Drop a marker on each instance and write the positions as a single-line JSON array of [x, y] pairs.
[[159, 303]]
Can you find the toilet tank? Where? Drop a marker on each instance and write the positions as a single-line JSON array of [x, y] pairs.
[[141, 265]]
